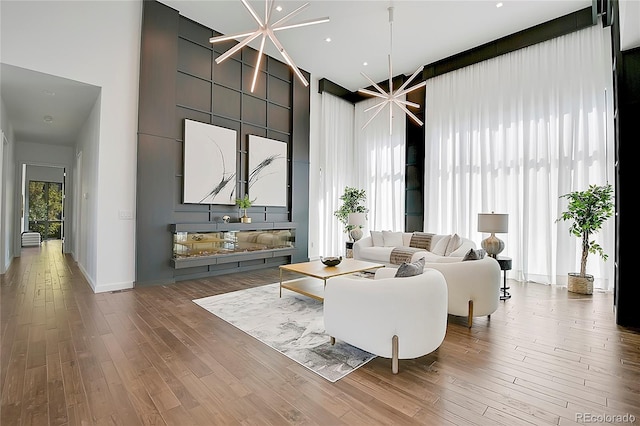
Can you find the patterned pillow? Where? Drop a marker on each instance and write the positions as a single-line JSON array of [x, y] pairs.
[[474, 254], [411, 269]]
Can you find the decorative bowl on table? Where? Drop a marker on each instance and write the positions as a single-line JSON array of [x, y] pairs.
[[331, 260]]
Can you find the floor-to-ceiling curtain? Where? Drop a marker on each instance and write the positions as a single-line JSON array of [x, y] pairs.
[[336, 171], [380, 164], [511, 135]]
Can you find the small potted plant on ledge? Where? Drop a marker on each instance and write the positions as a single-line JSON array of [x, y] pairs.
[[352, 202], [244, 203], [588, 210]]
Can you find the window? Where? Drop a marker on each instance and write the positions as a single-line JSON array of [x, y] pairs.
[[45, 209]]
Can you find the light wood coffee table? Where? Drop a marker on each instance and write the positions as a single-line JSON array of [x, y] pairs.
[[315, 271]]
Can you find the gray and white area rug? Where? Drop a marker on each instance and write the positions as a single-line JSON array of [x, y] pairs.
[[292, 325]]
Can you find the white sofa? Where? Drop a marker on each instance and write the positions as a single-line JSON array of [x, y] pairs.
[[397, 318], [473, 285], [365, 249]]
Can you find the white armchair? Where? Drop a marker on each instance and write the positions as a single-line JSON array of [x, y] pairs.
[[397, 318], [474, 286]]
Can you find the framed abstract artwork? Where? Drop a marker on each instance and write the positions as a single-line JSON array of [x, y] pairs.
[[268, 171], [209, 164]]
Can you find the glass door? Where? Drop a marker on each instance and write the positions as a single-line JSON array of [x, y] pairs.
[[45, 209]]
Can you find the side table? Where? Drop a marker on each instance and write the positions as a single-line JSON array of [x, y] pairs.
[[349, 250], [505, 265]]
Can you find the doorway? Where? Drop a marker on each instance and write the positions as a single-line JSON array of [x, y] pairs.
[[46, 209]]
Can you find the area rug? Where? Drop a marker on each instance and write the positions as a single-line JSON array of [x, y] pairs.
[[292, 325]]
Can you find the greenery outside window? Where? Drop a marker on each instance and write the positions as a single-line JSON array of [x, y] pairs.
[[45, 209]]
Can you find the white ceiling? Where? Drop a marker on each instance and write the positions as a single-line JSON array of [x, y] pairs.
[[423, 32]]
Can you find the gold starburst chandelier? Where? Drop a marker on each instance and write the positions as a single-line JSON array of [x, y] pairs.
[[266, 29], [393, 98]]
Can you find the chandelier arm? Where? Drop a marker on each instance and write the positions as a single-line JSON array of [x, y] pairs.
[[238, 46], [412, 88], [375, 106], [407, 103], [288, 16], [287, 58], [253, 12], [374, 84], [217, 39], [268, 9], [380, 107], [410, 114], [406, 83], [372, 93], [302, 24], [257, 70], [390, 76]]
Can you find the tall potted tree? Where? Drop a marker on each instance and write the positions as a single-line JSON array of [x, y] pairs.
[[587, 210], [353, 200]]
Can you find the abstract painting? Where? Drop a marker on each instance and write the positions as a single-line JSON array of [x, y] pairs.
[[209, 164], [267, 171]]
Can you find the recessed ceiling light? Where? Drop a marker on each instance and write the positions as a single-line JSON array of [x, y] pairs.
[[365, 63], [48, 119], [279, 8], [499, 4], [328, 39]]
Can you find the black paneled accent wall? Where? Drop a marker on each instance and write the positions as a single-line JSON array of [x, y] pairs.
[[180, 80]]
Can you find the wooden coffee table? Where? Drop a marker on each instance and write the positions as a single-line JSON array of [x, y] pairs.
[[315, 271]]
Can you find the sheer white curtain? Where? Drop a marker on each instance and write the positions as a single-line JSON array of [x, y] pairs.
[[514, 133], [380, 165], [336, 170]]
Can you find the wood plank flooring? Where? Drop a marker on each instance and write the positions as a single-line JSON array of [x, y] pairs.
[[150, 356]]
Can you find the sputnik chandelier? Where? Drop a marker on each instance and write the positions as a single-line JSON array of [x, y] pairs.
[[393, 98], [266, 29]]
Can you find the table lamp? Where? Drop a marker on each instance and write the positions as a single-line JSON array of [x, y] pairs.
[[356, 221], [493, 223]]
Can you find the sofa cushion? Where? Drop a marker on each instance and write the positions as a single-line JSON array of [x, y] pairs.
[[454, 243], [392, 239], [376, 239], [411, 269], [441, 245]]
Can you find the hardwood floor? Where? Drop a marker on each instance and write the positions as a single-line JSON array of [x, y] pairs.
[[152, 356]]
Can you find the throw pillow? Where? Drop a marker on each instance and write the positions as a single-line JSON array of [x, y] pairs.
[[441, 246], [454, 243], [474, 254], [392, 239], [411, 269], [376, 239]]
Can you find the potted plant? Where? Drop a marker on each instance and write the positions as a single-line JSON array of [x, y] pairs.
[[352, 202], [587, 210], [244, 203]]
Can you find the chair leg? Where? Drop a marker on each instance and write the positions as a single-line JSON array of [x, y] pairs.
[[470, 317], [333, 340], [394, 355]]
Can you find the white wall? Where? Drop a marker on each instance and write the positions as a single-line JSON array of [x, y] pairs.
[[95, 42], [7, 189]]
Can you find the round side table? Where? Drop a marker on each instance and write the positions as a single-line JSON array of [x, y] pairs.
[[505, 265]]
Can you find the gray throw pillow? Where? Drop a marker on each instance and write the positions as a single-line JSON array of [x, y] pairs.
[[411, 269], [474, 254]]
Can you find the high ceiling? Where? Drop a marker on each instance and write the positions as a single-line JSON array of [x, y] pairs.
[[423, 32]]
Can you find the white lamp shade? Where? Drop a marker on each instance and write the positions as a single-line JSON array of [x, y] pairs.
[[493, 222], [358, 219]]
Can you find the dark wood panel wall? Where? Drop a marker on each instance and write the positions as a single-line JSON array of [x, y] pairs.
[[180, 80]]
